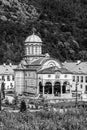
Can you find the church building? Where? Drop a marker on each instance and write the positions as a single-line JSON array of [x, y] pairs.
[[40, 74]]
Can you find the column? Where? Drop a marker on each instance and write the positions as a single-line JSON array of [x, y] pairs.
[[40, 51], [34, 50], [30, 49], [43, 90], [61, 87], [53, 90]]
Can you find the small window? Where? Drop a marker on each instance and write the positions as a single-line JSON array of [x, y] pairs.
[[49, 75], [81, 86], [77, 78], [86, 88], [11, 85], [86, 79], [65, 76], [13, 77], [8, 78], [3, 78], [57, 76], [81, 78], [25, 73], [73, 78]]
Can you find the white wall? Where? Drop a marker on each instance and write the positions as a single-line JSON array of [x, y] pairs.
[[8, 83]]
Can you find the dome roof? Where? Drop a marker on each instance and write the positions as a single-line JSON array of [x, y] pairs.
[[33, 38]]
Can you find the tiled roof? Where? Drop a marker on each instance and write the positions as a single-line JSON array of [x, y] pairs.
[[77, 68], [37, 62], [7, 69], [42, 60], [52, 70]]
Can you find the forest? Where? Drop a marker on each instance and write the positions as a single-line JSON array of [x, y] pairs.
[[61, 24]]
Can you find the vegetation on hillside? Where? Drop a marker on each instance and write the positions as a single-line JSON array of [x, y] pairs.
[[62, 25]]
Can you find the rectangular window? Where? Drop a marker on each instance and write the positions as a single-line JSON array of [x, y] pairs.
[[77, 78], [11, 85], [65, 76], [49, 75], [3, 78], [8, 78], [81, 78], [81, 86], [86, 79], [86, 88], [73, 78], [13, 77]]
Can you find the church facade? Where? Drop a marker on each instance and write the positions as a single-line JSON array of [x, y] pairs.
[[41, 74]]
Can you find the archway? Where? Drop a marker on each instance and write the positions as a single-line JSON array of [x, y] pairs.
[[48, 88], [57, 88], [40, 88], [64, 87]]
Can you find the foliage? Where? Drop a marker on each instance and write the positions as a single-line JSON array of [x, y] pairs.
[[62, 25], [44, 120]]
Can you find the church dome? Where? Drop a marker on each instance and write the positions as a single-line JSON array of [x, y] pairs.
[[33, 38]]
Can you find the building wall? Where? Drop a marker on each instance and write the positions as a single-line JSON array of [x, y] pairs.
[[82, 84], [19, 82], [52, 78], [30, 81], [8, 80]]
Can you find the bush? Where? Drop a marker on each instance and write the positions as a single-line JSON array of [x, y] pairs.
[[6, 101]]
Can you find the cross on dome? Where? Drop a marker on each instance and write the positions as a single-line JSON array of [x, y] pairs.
[[33, 30], [33, 38]]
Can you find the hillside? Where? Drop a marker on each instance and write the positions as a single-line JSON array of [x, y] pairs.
[[62, 25]]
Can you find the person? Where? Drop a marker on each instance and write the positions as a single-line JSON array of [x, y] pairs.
[[3, 89], [23, 106]]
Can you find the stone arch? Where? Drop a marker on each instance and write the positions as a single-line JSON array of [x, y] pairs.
[[57, 88], [48, 88], [40, 88]]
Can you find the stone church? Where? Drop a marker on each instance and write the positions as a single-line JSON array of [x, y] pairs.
[[39, 73]]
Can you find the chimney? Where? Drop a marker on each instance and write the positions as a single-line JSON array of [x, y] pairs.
[[4, 64], [10, 64], [78, 62]]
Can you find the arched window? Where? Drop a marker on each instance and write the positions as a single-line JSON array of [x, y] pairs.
[[48, 88], [57, 88], [40, 87], [64, 87]]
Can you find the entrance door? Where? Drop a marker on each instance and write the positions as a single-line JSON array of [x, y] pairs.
[[57, 88]]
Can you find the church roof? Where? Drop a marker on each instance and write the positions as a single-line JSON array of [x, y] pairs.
[[42, 60], [76, 67], [33, 39], [52, 70]]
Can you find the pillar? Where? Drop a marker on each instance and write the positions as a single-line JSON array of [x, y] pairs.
[[61, 87], [43, 90], [53, 90]]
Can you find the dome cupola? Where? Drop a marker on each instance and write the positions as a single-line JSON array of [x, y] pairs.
[[33, 39], [33, 47]]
